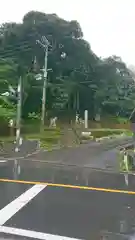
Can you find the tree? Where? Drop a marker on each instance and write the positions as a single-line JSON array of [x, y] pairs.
[[79, 81]]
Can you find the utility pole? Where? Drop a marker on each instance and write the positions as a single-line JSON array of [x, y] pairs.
[[18, 116], [44, 44], [44, 87]]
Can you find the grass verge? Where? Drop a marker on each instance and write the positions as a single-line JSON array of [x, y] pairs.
[[50, 138]]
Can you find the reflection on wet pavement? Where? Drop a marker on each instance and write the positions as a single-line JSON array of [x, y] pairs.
[[64, 174]]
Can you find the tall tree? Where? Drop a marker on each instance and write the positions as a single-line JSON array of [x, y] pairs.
[[78, 79]]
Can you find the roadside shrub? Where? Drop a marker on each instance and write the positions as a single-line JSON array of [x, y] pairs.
[[99, 134]]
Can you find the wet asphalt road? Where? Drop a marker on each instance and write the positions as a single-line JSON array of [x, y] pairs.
[[29, 149], [100, 155], [70, 212], [76, 213]]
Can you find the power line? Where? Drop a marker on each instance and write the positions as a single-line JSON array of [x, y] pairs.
[[14, 54], [8, 46], [14, 47], [31, 43], [11, 49]]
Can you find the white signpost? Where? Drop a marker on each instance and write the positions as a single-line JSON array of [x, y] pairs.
[[86, 118]]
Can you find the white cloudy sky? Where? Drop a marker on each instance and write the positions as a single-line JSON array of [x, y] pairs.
[[109, 25]]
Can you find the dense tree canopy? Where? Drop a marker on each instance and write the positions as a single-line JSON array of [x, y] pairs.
[[80, 80]]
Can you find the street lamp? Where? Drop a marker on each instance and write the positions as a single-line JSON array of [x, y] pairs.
[[12, 92], [19, 112]]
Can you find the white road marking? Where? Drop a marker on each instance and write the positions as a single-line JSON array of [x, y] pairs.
[[12, 208], [33, 234]]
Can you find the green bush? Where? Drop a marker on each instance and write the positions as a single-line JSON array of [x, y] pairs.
[[122, 120], [99, 134], [48, 138], [33, 116], [122, 164]]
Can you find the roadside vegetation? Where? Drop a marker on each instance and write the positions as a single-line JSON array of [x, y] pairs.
[[78, 79]]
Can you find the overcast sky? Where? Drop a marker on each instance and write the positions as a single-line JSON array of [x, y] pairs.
[[109, 25]]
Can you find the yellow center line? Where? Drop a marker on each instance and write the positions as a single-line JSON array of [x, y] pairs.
[[69, 186]]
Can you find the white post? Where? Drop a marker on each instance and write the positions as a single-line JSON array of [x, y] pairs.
[[86, 118], [126, 161], [126, 178]]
